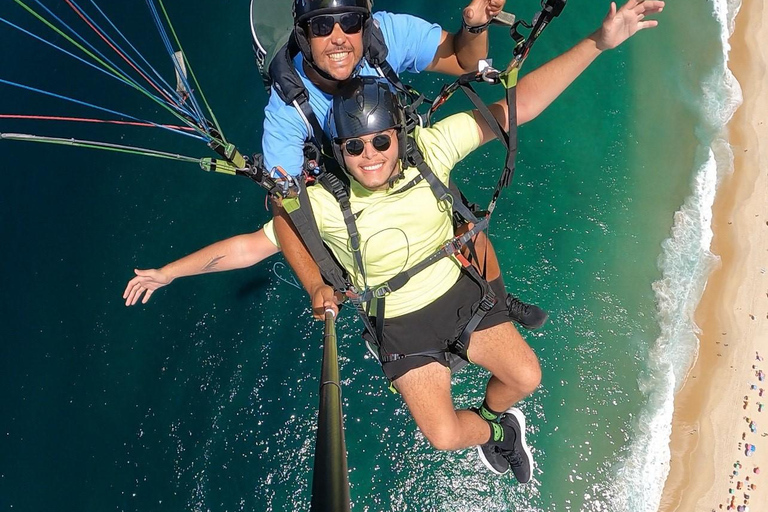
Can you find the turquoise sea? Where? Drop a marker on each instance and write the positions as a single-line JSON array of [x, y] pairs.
[[205, 398]]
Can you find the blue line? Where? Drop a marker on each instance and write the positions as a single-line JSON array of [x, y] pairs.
[[169, 49], [130, 59], [158, 75], [94, 66], [90, 105], [89, 45]]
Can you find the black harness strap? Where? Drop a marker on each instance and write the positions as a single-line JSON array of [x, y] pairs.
[[336, 187], [299, 209]]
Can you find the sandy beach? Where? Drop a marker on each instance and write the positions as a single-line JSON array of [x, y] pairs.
[[721, 412]]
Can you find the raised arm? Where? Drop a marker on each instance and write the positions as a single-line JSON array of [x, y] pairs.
[[539, 88], [233, 253], [459, 53]]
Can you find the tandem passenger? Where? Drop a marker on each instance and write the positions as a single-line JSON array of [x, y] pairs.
[[334, 41], [424, 317], [401, 221]]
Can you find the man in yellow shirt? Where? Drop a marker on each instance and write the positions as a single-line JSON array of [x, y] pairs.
[[400, 221]]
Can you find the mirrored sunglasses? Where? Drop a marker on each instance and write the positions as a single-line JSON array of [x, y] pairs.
[[356, 145], [350, 23]]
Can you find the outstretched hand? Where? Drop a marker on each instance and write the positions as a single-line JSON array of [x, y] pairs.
[[619, 25], [145, 282], [480, 12]]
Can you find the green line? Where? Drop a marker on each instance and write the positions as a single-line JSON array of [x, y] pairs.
[[117, 73], [98, 145], [191, 72]]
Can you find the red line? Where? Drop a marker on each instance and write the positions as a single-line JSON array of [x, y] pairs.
[[85, 120], [118, 52]]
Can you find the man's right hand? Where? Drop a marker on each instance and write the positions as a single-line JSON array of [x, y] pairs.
[[145, 282], [323, 298]]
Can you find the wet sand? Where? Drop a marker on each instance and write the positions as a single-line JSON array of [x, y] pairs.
[[718, 412]]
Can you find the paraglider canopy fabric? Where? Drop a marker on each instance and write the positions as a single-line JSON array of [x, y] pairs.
[[271, 26]]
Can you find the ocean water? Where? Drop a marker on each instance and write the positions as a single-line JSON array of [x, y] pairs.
[[205, 398]]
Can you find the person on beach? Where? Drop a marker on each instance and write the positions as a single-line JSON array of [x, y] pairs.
[[438, 51]]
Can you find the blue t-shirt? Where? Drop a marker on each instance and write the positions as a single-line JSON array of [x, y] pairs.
[[412, 44]]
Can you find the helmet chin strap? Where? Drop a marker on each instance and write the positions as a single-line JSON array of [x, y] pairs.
[[392, 181]]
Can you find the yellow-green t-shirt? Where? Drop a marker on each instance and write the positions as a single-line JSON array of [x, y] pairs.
[[398, 230]]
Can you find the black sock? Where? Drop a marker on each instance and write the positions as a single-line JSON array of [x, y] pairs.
[[501, 435], [487, 413]]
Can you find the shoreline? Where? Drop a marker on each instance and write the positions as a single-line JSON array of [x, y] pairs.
[[710, 431]]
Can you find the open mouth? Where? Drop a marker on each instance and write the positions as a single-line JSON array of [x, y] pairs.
[[339, 55]]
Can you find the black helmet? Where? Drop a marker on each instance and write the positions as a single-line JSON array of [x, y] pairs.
[[305, 9], [366, 105]]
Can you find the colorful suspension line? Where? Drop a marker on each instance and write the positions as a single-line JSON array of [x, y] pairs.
[[135, 51], [198, 136], [202, 130], [223, 140], [76, 34], [118, 51], [70, 54], [90, 120], [205, 164]]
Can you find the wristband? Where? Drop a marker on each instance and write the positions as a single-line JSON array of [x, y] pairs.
[[479, 29]]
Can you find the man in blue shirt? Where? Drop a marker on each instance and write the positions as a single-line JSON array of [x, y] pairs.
[[413, 45]]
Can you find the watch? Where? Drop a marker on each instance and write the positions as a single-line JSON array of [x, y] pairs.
[[478, 29]]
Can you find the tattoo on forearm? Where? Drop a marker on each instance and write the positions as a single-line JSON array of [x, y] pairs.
[[211, 265]]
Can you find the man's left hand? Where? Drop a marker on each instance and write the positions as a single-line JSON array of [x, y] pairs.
[[480, 12], [619, 25]]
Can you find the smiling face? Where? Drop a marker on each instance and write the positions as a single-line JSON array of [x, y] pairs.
[[372, 168], [338, 53]]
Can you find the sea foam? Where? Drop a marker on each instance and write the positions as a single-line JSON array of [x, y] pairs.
[[685, 263]]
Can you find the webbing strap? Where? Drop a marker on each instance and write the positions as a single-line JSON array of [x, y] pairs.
[[440, 191], [509, 139], [486, 303], [299, 210], [335, 186]]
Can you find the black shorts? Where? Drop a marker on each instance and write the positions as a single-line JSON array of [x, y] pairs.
[[434, 327]]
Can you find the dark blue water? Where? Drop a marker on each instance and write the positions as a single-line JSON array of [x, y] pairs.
[[205, 398]]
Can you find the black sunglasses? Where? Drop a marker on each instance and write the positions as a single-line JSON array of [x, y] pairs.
[[356, 145], [350, 23]]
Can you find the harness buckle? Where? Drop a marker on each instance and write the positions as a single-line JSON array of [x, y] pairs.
[[456, 245], [487, 72], [487, 302], [382, 291], [445, 202]]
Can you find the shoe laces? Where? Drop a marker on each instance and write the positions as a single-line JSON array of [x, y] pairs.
[[514, 458], [515, 305]]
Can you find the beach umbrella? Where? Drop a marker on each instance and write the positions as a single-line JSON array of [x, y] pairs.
[[757, 471]]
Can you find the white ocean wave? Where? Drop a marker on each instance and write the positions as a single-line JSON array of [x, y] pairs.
[[685, 263]]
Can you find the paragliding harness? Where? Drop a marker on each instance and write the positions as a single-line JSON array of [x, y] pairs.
[[287, 82], [289, 86]]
